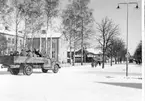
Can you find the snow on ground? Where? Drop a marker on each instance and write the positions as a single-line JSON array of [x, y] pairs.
[[76, 83]]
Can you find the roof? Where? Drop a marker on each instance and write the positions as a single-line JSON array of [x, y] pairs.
[[10, 33], [52, 34], [94, 51], [90, 51]]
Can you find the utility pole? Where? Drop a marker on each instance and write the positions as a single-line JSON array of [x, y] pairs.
[[127, 4]]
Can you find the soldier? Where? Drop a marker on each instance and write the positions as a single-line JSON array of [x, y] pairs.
[[29, 53], [11, 53], [99, 63], [34, 54], [16, 53], [23, 53], [38, 53]]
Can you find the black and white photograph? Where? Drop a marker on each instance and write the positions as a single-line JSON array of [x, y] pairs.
[[72, 50]]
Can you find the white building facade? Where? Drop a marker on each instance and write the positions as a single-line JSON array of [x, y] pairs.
[[11, 41], [58, 47]]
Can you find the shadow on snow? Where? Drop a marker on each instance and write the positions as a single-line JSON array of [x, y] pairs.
[[20, 74], [131, 85]]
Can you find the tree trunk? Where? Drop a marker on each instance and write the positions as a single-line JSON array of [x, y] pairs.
[[32, 42], [32, 38], [50, 47], [51, 40], [70, 55], [16, 22], [82, 55], [74, 52], [70, 49], [111, 58], [103, 59], [40, 45], [82, 45], [115, 60], [111, 61], [46, 45], [16, 38], [74, 56], [24, 37], [85, 57]]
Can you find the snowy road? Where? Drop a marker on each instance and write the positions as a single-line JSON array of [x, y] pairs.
[[73, 84]]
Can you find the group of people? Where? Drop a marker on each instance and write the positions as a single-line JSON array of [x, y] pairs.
[[95, 62], [34, 53]]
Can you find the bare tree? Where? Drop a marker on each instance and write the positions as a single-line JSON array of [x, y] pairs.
[[28, 11], [3, 6], [138, 53], [36, 12], [77, 21], [69, 27], [16, 18], [3, 41], [116, 49], [107, 30], [5, 13], [33, 17], [85, 22], [50, 10], [7, 16]]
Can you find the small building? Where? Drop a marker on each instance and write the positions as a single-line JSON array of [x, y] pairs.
[[59, 44], [88, 55]]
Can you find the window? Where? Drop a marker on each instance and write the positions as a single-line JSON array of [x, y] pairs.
[[13, 41], [20, 42], [68, 54], [53, 54], [9, 40], [9, 50]]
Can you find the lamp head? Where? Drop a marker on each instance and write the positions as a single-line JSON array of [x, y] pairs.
[[118, 7], [137, 6]]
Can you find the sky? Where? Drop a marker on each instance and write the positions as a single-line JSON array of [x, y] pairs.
[[103, 8]]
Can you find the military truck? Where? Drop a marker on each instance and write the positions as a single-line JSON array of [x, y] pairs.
[[25, 64]]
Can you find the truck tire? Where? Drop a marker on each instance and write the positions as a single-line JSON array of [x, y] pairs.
[[92, 64], [27, 70], [56, 68], [10, 70], [44, 70], [14, 71]]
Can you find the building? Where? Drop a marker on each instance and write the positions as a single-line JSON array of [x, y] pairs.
[[38, 41], [59, 44], [11, 41], [88, 55]]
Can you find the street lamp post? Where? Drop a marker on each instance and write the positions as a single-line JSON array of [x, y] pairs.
[[127, 4]]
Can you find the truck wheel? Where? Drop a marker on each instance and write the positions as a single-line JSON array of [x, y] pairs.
[[44, 70], [56, 68], [92, 64], [14, 71], [10, 70], [27, 70]]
